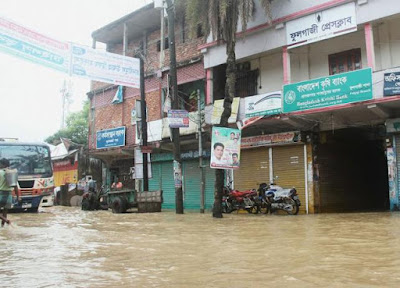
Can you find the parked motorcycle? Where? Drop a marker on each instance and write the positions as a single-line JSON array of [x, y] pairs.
[[273, 197], [233, 200]]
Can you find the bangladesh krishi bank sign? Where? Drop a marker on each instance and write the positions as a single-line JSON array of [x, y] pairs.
[[328, 91], [114, 137]]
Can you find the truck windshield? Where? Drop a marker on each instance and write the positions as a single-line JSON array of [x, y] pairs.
[[31, 160]]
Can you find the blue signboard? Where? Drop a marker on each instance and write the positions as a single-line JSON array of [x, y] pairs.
[[114, 137], [391, 84]]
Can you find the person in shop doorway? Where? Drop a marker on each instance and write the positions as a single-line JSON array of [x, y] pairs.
[[5, 192], [217, 155]]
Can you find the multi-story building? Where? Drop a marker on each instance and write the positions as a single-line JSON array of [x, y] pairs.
[[319, 102], [146, 27]]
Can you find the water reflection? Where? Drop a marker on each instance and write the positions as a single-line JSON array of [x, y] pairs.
[[67, 247]]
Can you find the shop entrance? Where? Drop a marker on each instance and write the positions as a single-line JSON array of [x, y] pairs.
[[352, 170]]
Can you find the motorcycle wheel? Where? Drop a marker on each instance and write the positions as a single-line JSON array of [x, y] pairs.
[[253, 210], [295, 209], [264, 208], [227, 208]]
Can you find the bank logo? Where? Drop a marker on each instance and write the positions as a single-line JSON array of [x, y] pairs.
[[290, 97]]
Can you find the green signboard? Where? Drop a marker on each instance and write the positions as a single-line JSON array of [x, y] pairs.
[[328, 91]]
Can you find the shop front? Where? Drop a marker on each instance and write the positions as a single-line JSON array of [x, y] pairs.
[[278, 158]]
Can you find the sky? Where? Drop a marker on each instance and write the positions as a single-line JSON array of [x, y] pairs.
[[30, 97]]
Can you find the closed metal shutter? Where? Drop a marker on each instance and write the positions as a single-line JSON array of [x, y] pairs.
[[191, 184], [168, 185], [155, 180], [288, 165], [254, 169]]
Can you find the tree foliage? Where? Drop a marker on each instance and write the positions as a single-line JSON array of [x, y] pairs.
[[76, 127], [220, 19]]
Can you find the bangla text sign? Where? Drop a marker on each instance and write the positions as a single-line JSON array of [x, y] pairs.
[[114, 137], [328, 91], [321, 25]]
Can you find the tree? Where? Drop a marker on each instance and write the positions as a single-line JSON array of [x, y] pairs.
[[76, 127], [220, 18]]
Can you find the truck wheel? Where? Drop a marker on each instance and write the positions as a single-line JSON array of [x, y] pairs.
[[118, 205]]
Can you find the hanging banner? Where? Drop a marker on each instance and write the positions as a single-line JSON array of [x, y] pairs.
[[328, 91], [106, 67], [178, 118], [32, 46], [218, 108], [74, 59], [225, 148]]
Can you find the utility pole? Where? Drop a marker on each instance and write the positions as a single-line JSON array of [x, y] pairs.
[[202, 184], [143, 120], [175, 106]]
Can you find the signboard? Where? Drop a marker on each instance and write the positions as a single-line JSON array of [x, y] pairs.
[[225, 148], [30, 45], [178, 118], [391, 84], [328, 91], [106, 67], [114, 137], [139, 165], [263, 104], [218, 108], [321, 25], [270, 139]]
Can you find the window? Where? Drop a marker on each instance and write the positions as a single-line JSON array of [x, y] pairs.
[[166, 44], [346, 61]]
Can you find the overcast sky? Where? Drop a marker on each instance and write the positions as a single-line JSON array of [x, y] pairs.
[[30, 98]]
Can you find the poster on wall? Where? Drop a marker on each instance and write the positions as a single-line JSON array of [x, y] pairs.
[[225, 148], [263, 104]]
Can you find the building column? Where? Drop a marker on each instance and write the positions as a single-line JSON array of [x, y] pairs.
[[369, 43], [286, 65], [209, 86]]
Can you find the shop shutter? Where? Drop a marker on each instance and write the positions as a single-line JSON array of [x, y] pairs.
[[167, 185], [254, 169], [155, 180], [288, 165], [210, 183], [191, 184]]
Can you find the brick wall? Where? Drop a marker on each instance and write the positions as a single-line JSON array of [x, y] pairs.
[[109, 115]]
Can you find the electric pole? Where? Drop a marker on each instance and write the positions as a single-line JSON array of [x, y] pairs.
[[175, 106]]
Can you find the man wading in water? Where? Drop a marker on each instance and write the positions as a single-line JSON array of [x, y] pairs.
[[5, 192]]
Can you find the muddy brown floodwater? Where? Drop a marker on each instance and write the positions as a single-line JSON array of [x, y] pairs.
[[67, 247]]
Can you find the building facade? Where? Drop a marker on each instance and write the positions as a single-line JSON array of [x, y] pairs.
[[318, 104]]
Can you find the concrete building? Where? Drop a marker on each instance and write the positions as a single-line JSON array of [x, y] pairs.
[[319, 105]]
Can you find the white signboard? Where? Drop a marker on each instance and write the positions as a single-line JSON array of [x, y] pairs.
[[104, 66], [138, 169], [263, 104], [30, 45], [321, 25]]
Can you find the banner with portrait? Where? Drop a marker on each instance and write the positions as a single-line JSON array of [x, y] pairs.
[[225, 148]]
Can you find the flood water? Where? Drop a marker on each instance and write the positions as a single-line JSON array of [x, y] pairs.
[[67, 247]]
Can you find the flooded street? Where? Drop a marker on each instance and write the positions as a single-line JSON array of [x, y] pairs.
[[67, 247]]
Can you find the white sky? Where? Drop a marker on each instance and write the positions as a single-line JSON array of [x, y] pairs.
[[30, 98]]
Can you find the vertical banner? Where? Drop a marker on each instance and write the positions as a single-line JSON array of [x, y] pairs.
[[177, 174], [225, 148]]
